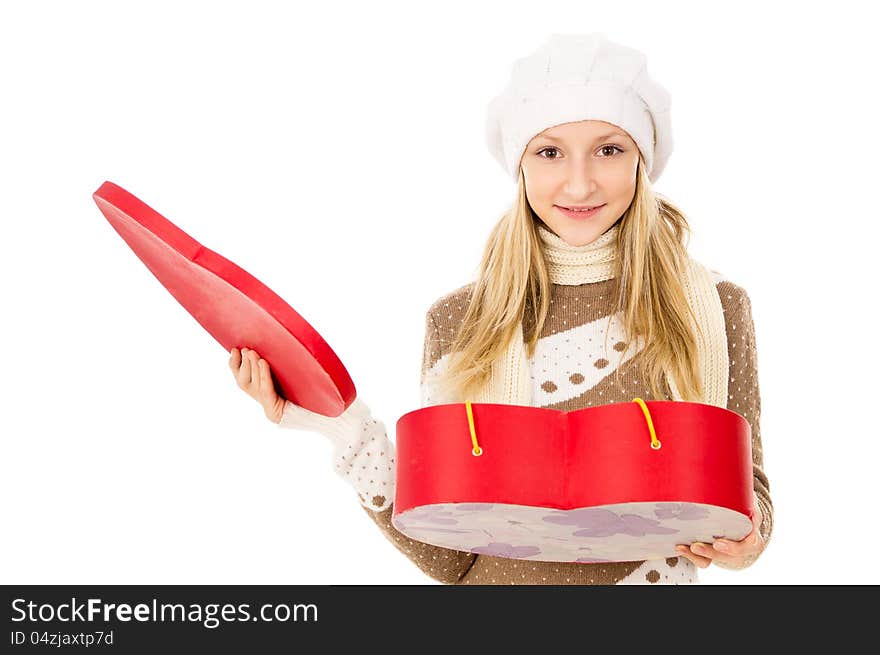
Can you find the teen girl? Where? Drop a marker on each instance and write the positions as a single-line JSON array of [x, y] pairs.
[[585, 295]]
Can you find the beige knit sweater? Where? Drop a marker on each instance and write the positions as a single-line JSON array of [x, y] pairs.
[[569, 371]]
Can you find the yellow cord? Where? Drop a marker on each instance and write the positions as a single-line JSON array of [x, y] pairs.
[[655, 442], [477, 451]]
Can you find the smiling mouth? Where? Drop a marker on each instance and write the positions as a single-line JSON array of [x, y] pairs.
[[579, 209]]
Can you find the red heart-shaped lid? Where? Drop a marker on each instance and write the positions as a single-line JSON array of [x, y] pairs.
[[232, 305]]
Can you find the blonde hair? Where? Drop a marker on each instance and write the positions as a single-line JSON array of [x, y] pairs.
[[513, 286]]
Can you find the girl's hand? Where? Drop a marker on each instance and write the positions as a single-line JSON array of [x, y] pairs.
[[253, 375], [726, 553]]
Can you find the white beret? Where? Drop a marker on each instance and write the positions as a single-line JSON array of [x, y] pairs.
[[576, 77]]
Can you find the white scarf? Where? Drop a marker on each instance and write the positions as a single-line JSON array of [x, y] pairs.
[[510, 378]]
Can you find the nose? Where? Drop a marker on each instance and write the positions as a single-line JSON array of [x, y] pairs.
[[580, 181]]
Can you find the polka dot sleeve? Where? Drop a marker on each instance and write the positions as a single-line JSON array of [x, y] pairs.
[[744, 397], [364, 456], [445, 565], [362, 453]]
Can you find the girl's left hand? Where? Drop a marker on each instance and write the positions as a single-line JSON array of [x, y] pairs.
[[726, 553]]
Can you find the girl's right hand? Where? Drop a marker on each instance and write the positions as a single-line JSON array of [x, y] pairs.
[[253, 376]]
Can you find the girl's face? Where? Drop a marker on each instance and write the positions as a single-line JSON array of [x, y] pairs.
[[586, 163]]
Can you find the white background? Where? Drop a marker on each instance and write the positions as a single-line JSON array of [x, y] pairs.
[[336, 151]]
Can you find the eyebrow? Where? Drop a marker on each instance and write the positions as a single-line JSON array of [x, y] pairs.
[[598, 138]]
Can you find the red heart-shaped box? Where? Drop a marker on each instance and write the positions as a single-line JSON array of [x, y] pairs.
[[579, 486], [232, 305]]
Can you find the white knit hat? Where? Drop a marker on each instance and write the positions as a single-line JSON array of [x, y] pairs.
[[576, 77]]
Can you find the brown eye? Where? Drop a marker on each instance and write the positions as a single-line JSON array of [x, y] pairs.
[[614, 150]]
